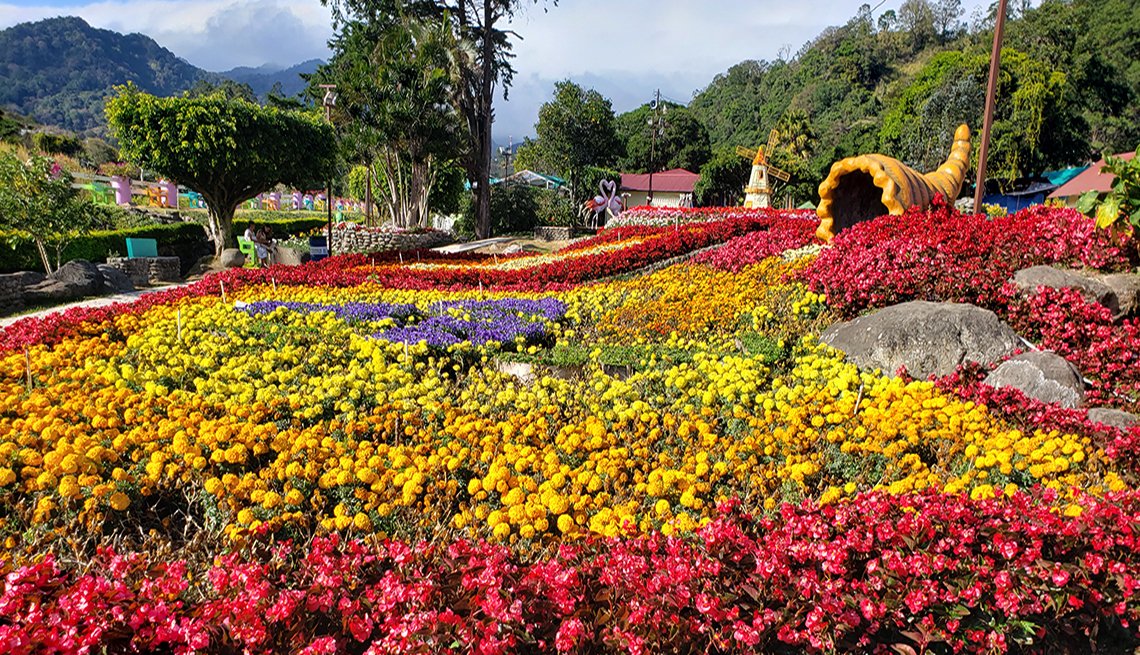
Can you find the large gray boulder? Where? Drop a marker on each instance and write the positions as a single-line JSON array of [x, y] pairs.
[[114, 280], [82, 275], [1047, 377], [287, 256], [1094, 290], [232, 258], [51, 291], [1126, 286], [28, 278], [1114, 418], [928, 338]]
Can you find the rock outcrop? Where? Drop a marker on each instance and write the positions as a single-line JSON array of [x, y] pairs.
[[1044, 376], [926, 338]]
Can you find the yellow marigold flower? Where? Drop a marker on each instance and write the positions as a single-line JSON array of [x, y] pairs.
[[119, 501], [68, 487], [565, 523], [362, 522]]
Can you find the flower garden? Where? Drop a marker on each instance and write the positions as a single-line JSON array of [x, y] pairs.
[[337, 457]]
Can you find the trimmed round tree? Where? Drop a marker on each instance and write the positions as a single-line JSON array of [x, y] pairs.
[[228, 150]]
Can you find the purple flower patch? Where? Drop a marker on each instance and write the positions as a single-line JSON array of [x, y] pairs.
[[480, 322]]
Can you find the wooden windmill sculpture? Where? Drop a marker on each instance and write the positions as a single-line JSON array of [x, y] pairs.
[[758, 193]]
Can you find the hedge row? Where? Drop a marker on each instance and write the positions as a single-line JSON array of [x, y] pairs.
[[282, 228], [185, 240]]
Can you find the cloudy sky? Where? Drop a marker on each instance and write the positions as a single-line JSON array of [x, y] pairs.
[[623, 48]]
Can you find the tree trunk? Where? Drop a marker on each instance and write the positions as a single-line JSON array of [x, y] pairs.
[[483, 137], [43, 255], [221, 225], [368, 196]]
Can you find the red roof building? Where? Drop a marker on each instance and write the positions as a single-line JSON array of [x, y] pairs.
[[670, 188], [1090, 180]]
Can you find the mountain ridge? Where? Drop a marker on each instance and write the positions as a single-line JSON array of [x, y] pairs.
[[59, 71]]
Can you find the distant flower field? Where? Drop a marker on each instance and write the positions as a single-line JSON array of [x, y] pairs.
[[577, 452]]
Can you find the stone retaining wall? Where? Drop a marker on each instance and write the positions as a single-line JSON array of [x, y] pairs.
[[547, 233], [366, 241], [148, 270], [137, 269], [11, 293]]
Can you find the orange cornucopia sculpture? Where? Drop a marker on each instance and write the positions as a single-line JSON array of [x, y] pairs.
[[861, 188]]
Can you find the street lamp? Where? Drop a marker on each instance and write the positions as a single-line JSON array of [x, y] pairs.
[[657, 128], [506, 154], [329, 102]]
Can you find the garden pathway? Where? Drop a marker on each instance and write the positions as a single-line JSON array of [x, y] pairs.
[[473, 245]]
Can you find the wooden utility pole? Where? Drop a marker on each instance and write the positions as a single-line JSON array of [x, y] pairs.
[[987, 121]]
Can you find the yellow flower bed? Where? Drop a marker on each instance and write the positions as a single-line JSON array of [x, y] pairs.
[[304, 423]]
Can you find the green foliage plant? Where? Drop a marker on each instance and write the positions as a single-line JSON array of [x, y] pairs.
[[394, 82], [51, 143], [186, 240], [37, 200], [722, 179], [1120, 207], [684, 144], [515, 209]]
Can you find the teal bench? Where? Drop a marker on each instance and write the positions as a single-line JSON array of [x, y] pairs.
[[137, 248]]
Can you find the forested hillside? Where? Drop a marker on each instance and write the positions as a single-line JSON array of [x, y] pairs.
[[267, 79], [60, 71], [900, 81]]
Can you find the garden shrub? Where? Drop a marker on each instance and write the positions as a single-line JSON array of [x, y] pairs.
[[57, 144], [515, 209], [282, 228], [554, 208], [187, 241]]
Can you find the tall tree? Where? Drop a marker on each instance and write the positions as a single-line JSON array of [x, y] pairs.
[[795, 146], [227, 150], [684, 142], [394, 80], [576, 130], [919, 20], [480, 58], [1038, 124]]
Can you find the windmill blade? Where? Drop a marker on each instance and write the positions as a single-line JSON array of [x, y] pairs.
[[773, 138], [778, 174], [747, 153]]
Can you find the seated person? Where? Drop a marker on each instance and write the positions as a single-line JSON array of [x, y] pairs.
[[260, 245], [266, 250]]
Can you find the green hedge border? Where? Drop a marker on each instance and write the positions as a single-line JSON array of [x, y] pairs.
[[184, 240], [282, 228], [20, 254]]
